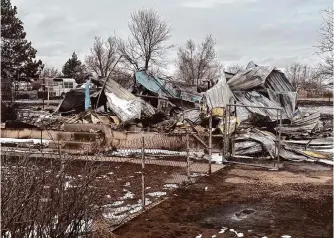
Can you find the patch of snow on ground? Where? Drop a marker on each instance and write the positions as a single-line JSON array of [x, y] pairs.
[[157, 194], [117, 203], [35, 141], [128, 195], [128, 152], [147, 201], [196, 174], [119, 213], [217, 158], [114, 204], [170, 185]]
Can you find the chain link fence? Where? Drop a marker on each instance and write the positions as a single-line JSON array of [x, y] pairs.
[[70, 192]]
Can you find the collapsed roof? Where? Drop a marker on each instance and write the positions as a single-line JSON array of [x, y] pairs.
[[261, 77]]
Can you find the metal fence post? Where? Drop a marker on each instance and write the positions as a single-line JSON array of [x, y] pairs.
[[210, 141], [41, 147], [225, 131], [279, 140], [188, 159], [142, 172]]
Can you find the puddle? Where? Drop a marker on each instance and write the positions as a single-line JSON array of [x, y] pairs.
[[234, 214], [243, 214]]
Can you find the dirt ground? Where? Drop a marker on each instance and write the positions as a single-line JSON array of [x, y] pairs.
[[296, 201]]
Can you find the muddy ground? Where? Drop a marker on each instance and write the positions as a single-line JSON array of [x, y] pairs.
[[117, 185], [296, 201]]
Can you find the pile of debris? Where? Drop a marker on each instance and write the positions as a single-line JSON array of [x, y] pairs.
[[251, 108], [267, 88]]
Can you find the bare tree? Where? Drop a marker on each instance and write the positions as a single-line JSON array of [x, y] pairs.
[[44, 198], [324, 48], [48, 72], [234, 68], [302, 76], [103, 56], [146, 44], [198, 62]]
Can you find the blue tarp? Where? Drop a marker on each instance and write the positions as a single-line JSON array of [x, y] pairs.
[[153, 84], [162, 87], [87, 95]]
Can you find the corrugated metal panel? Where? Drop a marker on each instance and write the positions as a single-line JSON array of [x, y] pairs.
[[278, 82], [287, 100], [261, 76], [255, 99], [302, 125], [123, 103], [219, 95], [250, 79], [113, 87]]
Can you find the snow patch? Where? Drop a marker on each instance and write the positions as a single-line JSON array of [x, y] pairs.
[[34, 141], [170, 185], [157, 194], [128, 195]]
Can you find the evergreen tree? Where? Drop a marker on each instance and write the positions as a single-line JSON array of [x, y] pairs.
[[17, 54], [73, 68]]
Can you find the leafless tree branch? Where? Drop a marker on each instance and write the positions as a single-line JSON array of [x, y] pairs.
[[146, 44], [198, 62], [324, 48], [103, 56]]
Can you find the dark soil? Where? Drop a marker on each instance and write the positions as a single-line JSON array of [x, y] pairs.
[[297, 201]]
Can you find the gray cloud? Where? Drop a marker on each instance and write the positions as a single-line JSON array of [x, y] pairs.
[[270, 32]]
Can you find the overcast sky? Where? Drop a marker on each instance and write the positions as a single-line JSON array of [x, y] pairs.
[[265, 31]]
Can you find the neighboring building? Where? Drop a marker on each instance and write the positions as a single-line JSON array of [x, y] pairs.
[[56, 87]]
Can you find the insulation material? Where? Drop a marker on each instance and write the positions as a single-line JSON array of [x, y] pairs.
[[125, 110], [123, 103]]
